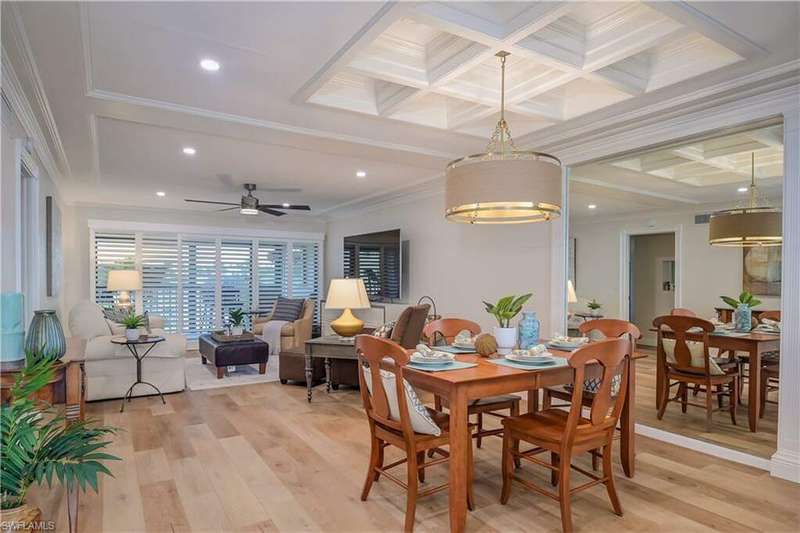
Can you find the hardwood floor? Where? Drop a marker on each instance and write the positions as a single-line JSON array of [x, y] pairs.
[[259, 458], [692, 424]]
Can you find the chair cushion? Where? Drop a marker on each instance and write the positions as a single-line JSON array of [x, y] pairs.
[[696, 352], [288, 309], [421, 420]]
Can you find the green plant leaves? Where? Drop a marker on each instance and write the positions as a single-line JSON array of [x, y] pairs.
[[744, 298], [507, 308]]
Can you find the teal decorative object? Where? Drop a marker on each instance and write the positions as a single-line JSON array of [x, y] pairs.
[[743, 317], [528, 330], [45, 334], [12, 330]]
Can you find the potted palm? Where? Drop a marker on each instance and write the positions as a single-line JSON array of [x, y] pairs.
[[132, 323], [37, 445], [594, 307], [743, 310], [236, 319], [504, 311]]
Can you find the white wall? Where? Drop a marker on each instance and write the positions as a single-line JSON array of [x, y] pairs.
[[457, 264], [649, 299], [708, 271], [9, 201], [76, 235]]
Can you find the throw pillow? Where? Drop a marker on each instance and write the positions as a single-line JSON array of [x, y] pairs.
[[384, 331], [421, 421], [115, 314], [696, 352], [288, 309]]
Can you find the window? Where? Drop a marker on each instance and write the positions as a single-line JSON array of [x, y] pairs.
[[194, 281]]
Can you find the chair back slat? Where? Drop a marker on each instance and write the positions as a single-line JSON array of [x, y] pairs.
[[613, 356], [679, 325], [373, 355], [682, 311], [611, 327], [448, 328]]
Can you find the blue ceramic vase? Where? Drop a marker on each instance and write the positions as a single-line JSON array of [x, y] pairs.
[[45, 334], [743, 318], [528, 330]]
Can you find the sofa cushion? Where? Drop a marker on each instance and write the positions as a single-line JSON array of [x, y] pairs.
[[86, 320], [287, 330], [101, 347], [288, 309]]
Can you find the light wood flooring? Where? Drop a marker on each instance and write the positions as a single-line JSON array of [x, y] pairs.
[[692, 424], [259, 458]]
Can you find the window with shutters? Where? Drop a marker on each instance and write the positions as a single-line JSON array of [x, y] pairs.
[[112, 251], [159, 261], [306, 273], [236, 276], [198, 292], [272, 279]]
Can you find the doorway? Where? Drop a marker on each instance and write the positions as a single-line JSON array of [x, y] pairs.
[[651, 290]]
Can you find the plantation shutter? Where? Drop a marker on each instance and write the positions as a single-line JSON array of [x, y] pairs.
[[306, 272], [272, 278], [237, 277], [350, 261], [369, 268], [198, 285], [159, 261], [391, 272], [112, 251]]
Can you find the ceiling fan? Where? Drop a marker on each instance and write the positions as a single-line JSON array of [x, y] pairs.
[[249, 204]]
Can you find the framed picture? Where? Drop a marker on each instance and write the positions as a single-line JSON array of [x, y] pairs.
[[54, 259], [761, 271]]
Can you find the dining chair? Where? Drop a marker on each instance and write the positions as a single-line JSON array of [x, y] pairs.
[[447, 329], [682, 311], [770, 382], [390, 402], [609, 328], [567, 433], [767, 359], [684, 363]]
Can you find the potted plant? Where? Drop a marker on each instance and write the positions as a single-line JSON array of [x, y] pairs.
[[47, 392], [504, 311], [594, 306], [743, 310], [37, 445], [132, 323], [236, 319]]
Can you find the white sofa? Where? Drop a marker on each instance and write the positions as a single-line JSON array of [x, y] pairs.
[[110, 368]]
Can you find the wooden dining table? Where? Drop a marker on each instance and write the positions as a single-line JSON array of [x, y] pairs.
[[489, 379], [754, 344]]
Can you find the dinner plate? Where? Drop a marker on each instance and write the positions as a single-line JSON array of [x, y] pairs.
[[464, 345], [540, 360], [417, 361]]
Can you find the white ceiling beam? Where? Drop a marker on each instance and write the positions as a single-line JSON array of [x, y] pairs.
[[768, 136], [535, 18], [389, 97], [634, 37], [537, 109], [619, 79], [445, 63], [635, 190]]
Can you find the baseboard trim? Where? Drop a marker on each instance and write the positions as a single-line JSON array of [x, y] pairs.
[[786, 465], [708, 448]]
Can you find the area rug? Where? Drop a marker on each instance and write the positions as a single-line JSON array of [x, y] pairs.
[[204, 377]]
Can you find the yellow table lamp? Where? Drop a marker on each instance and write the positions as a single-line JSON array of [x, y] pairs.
[[347, 294]]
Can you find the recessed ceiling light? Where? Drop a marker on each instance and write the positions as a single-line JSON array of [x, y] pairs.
[[592, 206], [361, 174], [286, 205], [209, 65], [161, 194], [742, 189], [188, 150]]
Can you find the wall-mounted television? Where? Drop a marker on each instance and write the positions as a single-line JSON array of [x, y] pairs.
[[379, 259]]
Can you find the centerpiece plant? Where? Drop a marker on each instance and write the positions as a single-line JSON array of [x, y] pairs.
[[743, 310], [504, 311], [132, 323], [594, 306], [39, 445], [236, 320]]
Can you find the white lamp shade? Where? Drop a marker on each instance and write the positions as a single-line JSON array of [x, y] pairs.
[[571, 296], [347, 293], [124, 280]]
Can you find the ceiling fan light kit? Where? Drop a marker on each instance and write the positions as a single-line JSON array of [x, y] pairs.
[[249, 204], [754, 224], [503, 185]]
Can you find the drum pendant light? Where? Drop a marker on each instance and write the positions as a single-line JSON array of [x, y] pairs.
[[752, 225], [503, 185]]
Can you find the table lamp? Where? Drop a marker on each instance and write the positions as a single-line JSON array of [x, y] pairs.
[[124, 281], [571, 296], [347, 294]]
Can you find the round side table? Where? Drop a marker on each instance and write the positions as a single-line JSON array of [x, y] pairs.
[[150, 341]]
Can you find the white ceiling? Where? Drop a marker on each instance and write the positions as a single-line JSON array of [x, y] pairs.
[[309, 93]]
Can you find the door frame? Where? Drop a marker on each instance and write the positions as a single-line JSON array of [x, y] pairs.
[[625, 269]]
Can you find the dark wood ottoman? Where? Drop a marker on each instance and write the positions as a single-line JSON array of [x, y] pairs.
[[223, 354]]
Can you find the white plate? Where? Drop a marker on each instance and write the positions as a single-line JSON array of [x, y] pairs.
[[537, 360], [463, 345], [431, 361]]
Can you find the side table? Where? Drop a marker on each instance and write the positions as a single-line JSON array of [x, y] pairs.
[[328, 347], [133, 347]]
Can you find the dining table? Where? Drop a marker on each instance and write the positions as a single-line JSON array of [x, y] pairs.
[[754, 344], [488, 379]]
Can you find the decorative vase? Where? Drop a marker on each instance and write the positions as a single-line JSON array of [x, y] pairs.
[[237, 330], [528, 330], [21, 518], [506, 339], [45, 334], [132, 334], [743, 318]]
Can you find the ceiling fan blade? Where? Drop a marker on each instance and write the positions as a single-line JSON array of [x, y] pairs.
[[228, 209], [208, 202], [299, 207], [265, 209], [280, 189]]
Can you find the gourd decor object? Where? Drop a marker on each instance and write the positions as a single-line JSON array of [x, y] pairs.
[[485, 345]]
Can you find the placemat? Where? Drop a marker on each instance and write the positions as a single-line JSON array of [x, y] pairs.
[[453, 349], [730, 333], [455, 365], [560, 361]]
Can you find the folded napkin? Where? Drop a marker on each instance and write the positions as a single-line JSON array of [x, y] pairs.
[[426, 352], [539, 349], [464, 337], [575, 341], [772, 324]]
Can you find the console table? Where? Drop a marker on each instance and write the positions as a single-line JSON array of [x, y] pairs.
[[328, 347]]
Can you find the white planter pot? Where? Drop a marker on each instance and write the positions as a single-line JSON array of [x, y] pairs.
[[506, 339], [132, 334], [237, 330]]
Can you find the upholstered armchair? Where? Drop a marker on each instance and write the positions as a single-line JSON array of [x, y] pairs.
[[293, 334]]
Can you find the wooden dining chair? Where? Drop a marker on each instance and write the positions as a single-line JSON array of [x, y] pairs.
[[684, 363], [567, 433], [447, 329], [682, 311], [767, 359], [383, 361], [609, 328]]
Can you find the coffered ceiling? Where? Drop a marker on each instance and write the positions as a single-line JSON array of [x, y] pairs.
[[308, 94]]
